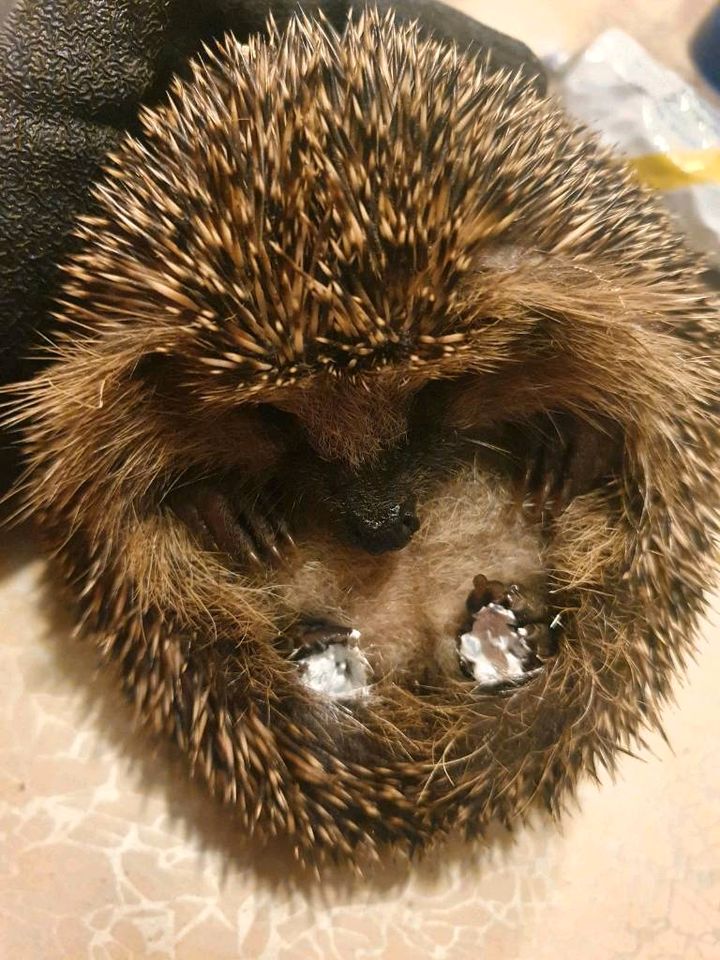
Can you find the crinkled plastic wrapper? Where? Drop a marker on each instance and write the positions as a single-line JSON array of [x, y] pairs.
[[649, 113]]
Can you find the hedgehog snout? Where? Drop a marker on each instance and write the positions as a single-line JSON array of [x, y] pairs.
[[387, 526], [374, 505]]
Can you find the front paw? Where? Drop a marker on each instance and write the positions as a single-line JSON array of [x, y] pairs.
[[245, 528], [508, 634], [329, 658], [568, 458]]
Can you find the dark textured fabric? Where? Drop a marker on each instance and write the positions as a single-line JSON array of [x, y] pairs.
[[72, 76]]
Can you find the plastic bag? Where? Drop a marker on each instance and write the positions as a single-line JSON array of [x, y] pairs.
[[649, 113]]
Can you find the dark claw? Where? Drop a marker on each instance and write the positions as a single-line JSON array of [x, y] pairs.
[[528, 607], [187, 510], [276, 523], [230, 535], [262, 533], [227, 522], [575, 458], [541, 640], [540, 476], [541, 495]]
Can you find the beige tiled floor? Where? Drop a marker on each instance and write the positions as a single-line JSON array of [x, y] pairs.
[[106, 851]]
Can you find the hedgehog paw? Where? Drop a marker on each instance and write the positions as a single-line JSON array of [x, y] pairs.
[[572, 457], [329, 658], [244, 529], [507, 636]]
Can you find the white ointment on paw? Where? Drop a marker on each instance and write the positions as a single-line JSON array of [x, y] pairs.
[[339, 671], [494, 649]]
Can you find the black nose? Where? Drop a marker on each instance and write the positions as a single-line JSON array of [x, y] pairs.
[[380, 530]]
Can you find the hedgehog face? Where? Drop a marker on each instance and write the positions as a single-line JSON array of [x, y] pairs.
[[366, 451], [379, 449]]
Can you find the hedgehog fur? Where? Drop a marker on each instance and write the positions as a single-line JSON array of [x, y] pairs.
[[325, 249]]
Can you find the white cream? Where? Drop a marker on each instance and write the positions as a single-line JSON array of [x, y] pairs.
[[339, 671], [494, 649]]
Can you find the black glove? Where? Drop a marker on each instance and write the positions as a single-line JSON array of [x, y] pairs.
[[73, 74]]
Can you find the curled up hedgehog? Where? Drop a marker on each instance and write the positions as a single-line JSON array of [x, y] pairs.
[[378, 450]]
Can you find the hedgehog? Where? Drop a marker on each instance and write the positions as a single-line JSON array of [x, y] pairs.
[[377, 451]]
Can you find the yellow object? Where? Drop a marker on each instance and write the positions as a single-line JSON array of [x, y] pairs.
[[682, 168]]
